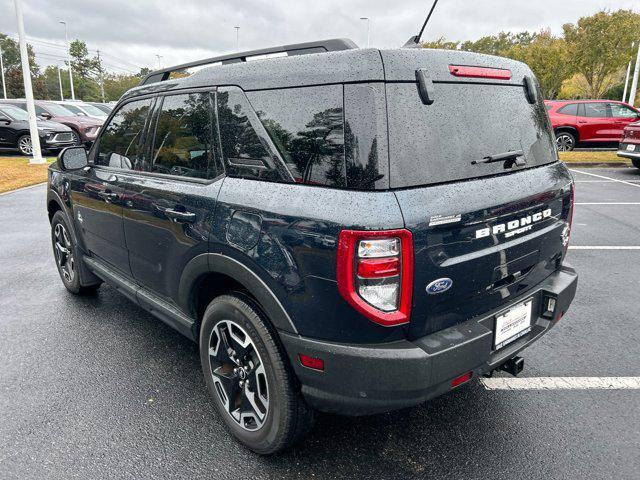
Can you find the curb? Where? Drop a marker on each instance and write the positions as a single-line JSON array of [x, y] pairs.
[[22, 188]]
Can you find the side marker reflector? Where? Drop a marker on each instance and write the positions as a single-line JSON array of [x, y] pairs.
[[311, 362], [460, 380]]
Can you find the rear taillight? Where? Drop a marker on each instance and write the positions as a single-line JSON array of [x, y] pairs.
[[566, 233], [375, 273]]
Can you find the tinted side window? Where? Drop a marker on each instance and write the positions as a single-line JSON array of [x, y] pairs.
[[571, 109], [622, 111], [120, 143], [595, 110], [39, 110], [244, 152], [183, 138], [307, 126]]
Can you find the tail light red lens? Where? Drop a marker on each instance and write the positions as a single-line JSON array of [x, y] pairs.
[[566, 234], [375, 273]]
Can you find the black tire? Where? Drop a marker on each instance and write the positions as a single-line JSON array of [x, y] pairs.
[[287, 417], [66, 256], [565, 141], [636, 162], [24, 145], [76, 137]]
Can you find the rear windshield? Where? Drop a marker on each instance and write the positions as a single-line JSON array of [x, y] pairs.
[[467, 122]]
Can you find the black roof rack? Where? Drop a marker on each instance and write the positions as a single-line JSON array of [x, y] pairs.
[[331, 45]]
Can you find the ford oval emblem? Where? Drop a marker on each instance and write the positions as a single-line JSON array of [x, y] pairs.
[[438, 286]]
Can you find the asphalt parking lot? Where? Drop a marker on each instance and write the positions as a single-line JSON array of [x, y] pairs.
[[95, 387]]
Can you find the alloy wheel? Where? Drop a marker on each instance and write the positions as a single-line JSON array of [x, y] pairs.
[[24, 145], [239, 375], [64, 252], [564, 142], [76, 138]]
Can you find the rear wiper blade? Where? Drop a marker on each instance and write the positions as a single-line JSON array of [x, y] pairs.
[[515, 155]]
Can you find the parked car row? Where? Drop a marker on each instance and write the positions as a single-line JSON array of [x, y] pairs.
[[597, 122], [61, 124]]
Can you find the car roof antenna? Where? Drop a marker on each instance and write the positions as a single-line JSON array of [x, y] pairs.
[[415, 40]]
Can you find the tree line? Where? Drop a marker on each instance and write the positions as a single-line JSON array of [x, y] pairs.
[[87, 70], [588, 60]]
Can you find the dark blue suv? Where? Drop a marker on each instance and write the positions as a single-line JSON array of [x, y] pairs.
[[339, 229]]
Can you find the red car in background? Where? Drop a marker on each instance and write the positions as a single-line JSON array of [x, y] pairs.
[[630, 144], [589, 121]]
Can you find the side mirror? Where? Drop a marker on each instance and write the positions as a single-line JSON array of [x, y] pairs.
[[45, 115], [5, 120], [73, 158]]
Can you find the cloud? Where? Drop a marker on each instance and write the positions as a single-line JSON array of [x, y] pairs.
[[131, 33]]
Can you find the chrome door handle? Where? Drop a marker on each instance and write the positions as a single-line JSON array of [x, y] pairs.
[[108, 196], [179, 216]]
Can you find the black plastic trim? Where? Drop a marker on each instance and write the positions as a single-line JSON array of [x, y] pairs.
[[158, 307], [206, 263]]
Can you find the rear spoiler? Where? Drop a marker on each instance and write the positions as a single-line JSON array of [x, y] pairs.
[[322, 46]]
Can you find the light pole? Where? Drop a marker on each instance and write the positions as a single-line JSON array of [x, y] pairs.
[[60, 84], [368, 25], [101, 76], [66, 39], [4, 85], [626, 82], [159, 62], [36, 153], [237, 38], [634, 82]]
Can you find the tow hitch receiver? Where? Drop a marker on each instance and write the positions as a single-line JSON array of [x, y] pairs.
[[513, 366]]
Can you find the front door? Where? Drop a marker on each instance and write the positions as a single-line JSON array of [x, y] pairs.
[[170, 204], [97, 193], [622, 116]]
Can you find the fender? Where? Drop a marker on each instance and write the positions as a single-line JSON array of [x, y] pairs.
[[216, 263], [87, 277]]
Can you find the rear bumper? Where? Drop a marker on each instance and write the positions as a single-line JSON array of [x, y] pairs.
[[366, 379], [623, 152]]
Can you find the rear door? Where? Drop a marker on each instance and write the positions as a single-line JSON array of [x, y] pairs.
[[171, 196], [595, 123], [493, 229]]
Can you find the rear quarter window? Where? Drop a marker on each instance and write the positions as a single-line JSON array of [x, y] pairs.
[[571, 109], [307, 127]]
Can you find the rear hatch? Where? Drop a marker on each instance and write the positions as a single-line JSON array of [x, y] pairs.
[[493, 229]]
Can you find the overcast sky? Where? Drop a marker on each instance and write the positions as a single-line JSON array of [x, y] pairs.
[[131, 33]]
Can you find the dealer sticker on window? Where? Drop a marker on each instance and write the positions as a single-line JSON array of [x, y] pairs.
[[631, 147], [513, 324]]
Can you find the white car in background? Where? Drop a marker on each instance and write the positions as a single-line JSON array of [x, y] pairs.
[[84, 109]]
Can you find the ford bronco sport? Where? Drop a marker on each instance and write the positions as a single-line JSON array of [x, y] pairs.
[[339, 229]]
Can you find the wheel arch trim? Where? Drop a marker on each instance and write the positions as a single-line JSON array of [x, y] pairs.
[[206, 263]]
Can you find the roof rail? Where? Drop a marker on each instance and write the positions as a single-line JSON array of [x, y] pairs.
[[331, 45]]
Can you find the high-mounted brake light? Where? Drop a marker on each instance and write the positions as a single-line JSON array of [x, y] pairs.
[[480, 72], [375, 273]]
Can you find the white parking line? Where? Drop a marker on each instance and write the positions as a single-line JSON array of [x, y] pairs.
[[606, 178], [561, 383], [603, 247], [607, 203]]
